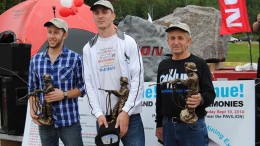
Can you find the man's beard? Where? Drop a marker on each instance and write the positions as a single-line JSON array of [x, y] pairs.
[[56, 45]]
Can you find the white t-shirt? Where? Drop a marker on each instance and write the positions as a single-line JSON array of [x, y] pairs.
[[108, 67]]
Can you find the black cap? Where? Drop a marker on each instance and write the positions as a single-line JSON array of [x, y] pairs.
[[108, 136]]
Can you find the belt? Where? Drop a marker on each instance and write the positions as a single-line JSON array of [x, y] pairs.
[[174, 119]]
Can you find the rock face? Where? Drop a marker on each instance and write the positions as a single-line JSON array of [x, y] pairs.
[[151, 39], [204, 23]]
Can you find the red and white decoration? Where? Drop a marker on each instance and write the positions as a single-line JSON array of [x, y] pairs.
[[70, 7]]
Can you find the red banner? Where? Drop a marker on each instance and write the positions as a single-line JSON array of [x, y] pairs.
[[234, 16]]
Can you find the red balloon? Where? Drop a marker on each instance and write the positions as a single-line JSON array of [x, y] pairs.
[[65, 12], [78, 3], [74, 10]]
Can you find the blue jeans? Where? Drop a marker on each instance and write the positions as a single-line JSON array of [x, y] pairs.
[[135, 134], [70, 135], [182, 134]]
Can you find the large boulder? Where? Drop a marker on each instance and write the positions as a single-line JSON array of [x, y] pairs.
[[151, 39], [204, 23]]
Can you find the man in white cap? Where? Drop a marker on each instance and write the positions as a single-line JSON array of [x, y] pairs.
[[65, 68], [111, 54], [170, 100]]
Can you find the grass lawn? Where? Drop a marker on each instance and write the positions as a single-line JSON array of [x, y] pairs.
[[240, 52]]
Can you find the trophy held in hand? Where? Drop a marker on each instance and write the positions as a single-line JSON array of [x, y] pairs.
[[111, 132], [122, 95], [46, 110], [188, 115]]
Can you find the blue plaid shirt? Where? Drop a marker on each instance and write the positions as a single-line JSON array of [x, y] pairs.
[[67, 74]]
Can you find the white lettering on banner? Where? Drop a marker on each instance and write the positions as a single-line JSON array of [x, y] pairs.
[[233, 17], [230, 2], [235, 14]]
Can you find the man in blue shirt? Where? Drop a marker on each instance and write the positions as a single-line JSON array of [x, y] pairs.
[[65, 68]]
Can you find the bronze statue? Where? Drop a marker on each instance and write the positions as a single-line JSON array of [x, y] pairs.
[[188, 115], [46, 109], [122, 94]]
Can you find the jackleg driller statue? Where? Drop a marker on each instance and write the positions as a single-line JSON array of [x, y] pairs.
[[188, 115], [122, 95], [46, 109]]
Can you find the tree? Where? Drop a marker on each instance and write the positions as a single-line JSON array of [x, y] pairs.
[[156, 8], [6, 4]]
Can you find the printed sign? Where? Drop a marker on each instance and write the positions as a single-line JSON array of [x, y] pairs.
[[230, 120]]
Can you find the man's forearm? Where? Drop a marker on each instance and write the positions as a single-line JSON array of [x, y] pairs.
[[74, 93]]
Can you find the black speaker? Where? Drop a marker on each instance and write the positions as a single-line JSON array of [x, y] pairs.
[[14, 58], [13, 110]]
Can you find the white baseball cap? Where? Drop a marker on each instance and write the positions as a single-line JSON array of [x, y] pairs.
[[59, 23], [179, 25], [104, 3]]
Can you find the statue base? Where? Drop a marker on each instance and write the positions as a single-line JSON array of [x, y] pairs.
[[188, 116], [46, 121]]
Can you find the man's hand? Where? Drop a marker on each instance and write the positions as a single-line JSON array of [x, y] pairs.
[[55, 95], [194, 101], [35, 118], [159, 133], [123, 122], [102, 120]]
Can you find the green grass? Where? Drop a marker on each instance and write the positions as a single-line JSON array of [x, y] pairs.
[[240, 52]]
